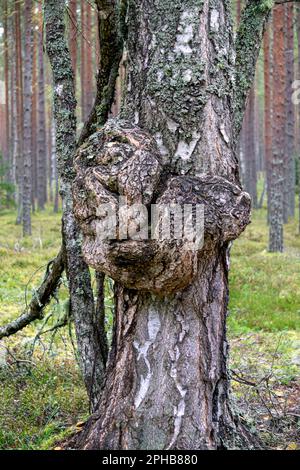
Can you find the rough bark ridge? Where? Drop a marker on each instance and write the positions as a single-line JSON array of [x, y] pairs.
[[167, 384]]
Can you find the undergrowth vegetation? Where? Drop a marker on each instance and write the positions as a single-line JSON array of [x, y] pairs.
[[42, 394]]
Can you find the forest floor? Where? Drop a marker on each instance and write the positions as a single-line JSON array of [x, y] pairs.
[[42, 395]]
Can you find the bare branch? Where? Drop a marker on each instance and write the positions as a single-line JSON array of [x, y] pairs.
[[41, 298]]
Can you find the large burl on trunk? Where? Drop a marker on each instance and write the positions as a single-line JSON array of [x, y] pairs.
[[167, 384]]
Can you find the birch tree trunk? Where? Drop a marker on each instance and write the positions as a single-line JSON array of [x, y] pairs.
[[167, 384]]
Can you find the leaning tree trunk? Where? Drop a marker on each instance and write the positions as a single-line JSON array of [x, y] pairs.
[[86, 318], [167, 383]]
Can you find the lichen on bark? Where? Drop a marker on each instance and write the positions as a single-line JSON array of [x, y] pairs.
[[123, 161], [167, 383]]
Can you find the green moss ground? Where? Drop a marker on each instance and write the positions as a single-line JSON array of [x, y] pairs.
[[42, 400]]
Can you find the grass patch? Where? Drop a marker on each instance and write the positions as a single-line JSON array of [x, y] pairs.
[[264, 287], [41, 402]]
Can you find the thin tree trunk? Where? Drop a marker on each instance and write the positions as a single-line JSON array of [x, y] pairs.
[[19, 110], [238, 10], [73, 36], [298, 47], [26, 214], [6, 80], [54, 167], [34, 87], [83, 60], [41, 144], [289, 187], [81, 294], [250, 163], [278, 131], [89, 79], [267, 112], [13, 120]]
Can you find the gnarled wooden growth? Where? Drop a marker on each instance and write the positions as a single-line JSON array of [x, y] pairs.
[[121, 160], [167, 384]]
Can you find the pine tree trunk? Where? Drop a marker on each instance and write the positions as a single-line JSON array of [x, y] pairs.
[[289, 187], [26, 214], [54, 177], [34, 87], [41, 143], [267, 111], [83, 60], [167, 383], [81, 294], [19, 110], [89, 79], [13, 107], [73, 36], [250, 163], [298, 47], [278, 131], [6, 80]]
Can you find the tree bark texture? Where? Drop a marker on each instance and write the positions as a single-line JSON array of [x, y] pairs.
[[6, 79], [83, 59], [267, 109], [26, 190], [278, 131], [34, 88], [73, 36], [41, 137], [19, 109], [289, 187], [167, 384], [249, 153], [81, 294], [89, 78]]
